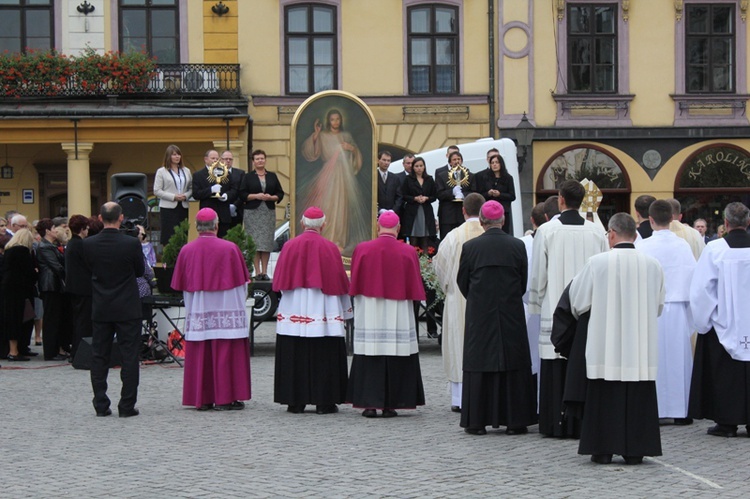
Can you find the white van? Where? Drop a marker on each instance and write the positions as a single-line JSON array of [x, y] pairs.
[[475, 159]]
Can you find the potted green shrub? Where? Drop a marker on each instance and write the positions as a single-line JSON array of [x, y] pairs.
[[164, 272]]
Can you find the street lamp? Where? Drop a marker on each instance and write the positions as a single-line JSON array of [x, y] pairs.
[[6, 171], [524, 138]]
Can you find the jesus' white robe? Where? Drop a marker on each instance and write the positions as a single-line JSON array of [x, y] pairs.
[[454, 309], [675, 323]]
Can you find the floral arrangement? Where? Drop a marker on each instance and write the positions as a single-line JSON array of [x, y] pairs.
[[50, 73], [429, 278]]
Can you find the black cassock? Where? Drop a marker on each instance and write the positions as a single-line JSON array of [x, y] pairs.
[[498, 386]]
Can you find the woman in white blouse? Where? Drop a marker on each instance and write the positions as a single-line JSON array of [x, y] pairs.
[[173, 186]]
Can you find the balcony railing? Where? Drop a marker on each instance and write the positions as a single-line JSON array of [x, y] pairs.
[[169, 81]]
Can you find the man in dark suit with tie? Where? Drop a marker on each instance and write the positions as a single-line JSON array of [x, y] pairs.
[[235, 178], [389, 186], [204, 191], [114, 260]]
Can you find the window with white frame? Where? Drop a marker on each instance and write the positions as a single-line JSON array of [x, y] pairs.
[[151, 26], [26, 24], [311, 47], [433, 36]]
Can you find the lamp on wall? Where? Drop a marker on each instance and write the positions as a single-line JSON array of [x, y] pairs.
[[220, 9], [524, 138], [6, 171], [85, 8]]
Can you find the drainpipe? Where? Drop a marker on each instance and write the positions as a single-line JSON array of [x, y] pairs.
[[491, 47]]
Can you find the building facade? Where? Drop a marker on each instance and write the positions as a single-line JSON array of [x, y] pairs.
[[642, 97]]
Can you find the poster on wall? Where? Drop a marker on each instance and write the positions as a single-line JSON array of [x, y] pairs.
[[332, 167]]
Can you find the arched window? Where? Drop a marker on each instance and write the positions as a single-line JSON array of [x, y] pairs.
[[586, 161]]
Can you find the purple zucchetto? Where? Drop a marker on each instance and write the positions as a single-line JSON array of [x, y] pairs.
[[206, 215], [388, 219], [492, 210], [313, 213]]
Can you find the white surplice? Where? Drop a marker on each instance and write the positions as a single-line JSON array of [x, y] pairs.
[[718, 296], [624, 291], [532, 320], [675, 323], [309, 313], [559, 253], [690, 235], [454, 306]]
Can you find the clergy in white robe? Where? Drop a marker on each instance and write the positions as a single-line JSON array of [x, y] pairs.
[[385, 282], [213, 277], [720, 388], [624, 291], [454, 307], [675, 322], [689, 234], [311, 364], [561, 248]]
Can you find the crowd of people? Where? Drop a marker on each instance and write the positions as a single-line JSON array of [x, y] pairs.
[[588, 332]]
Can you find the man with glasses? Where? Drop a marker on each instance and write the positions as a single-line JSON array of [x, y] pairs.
[[235, 179]]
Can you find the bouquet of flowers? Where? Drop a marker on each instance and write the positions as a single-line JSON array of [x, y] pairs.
[[429, 278]]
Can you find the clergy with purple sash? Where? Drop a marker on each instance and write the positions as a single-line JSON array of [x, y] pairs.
[[213, 277], [386, 279], [311, 364], [720, 388]]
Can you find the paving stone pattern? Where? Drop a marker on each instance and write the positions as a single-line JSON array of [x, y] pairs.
[[54, 446]]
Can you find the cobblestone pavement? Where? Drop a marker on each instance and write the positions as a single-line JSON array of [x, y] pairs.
[[54, 446]]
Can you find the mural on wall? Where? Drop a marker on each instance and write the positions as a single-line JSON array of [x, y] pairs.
[[581, 163], [333, 135]]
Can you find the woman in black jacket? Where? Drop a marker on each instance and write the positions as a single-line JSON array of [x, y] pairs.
[[419, 192], [51, 261], [261, 191], [19, 277], [495, 183]]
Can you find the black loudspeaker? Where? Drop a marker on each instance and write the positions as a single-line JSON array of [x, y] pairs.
[[129, 190], [83, 356]]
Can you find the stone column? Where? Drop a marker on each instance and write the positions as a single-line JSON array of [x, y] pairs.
[[79, 178]]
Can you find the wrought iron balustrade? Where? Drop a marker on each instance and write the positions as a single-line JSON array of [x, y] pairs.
[[168, 81]]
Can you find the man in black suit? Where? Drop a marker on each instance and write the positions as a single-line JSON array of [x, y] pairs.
[[450, 214], [642, 204], [114, 260], [389, 186], [204, 190], [235, 178]]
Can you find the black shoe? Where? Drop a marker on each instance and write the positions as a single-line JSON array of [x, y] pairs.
[[475, 431], [633, 459], [522, 430], [104, 413], [683, 421], [205, 407], [38, 343], [389, 413], [18, 358], [130, 413], [432, 334], [232, 406], [601, 458], [57, 358], [326, 409], [29, 353], [722, 430], [296, 409], [370, 413]]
